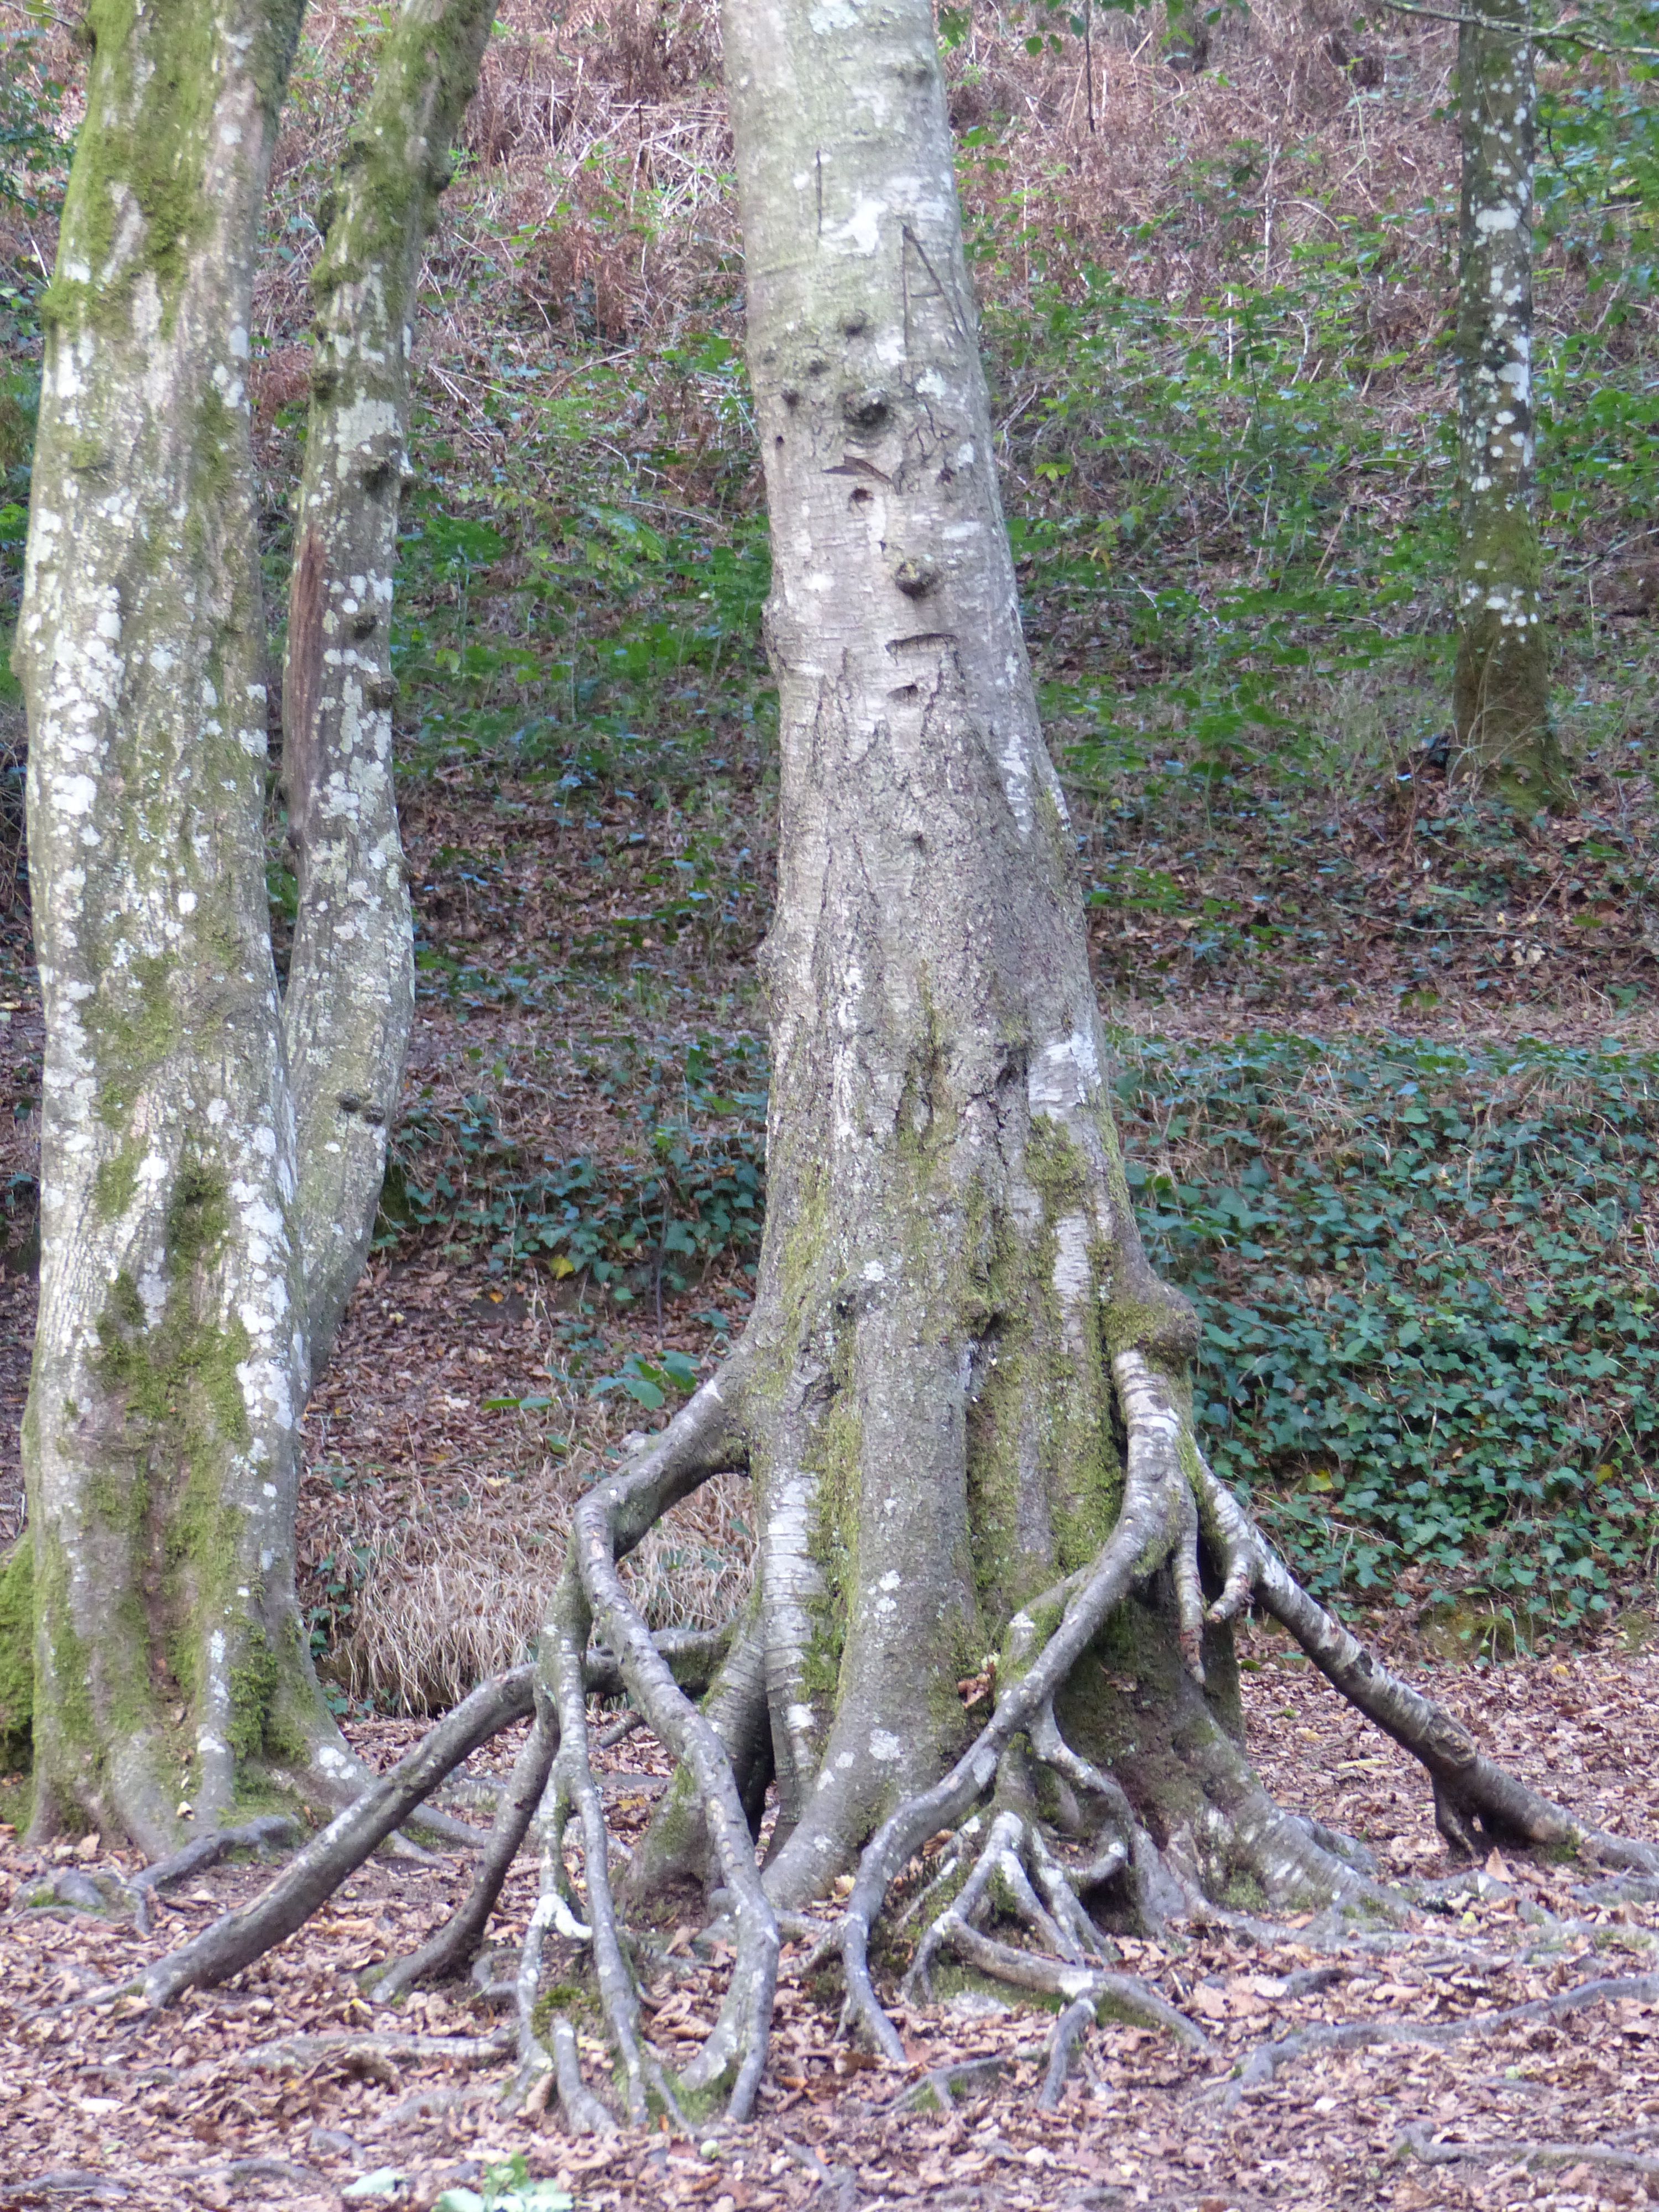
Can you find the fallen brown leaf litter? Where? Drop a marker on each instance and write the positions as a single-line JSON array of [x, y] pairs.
[[1502, 2050]]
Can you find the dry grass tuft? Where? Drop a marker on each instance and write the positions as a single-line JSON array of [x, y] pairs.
[[449, 1596]]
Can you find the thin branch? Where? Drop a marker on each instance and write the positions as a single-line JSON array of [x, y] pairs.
[[1570, 34]]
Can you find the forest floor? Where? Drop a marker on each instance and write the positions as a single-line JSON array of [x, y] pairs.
[[288, 2088]]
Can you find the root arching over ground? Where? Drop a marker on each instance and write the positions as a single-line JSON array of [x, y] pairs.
[[1040, 1822]]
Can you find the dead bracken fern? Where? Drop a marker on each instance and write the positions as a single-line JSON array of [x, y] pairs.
[[450, 1597]]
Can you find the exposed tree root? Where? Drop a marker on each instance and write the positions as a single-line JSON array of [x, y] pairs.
[[239, 1938], [453, 1945], [297, 2052], [1262, 2064], [1124, 1997], [74, 2182], [1414, 2138], [584, 2111], [1174, 1515], [606, 1524], [938, 2090], [1069, 2030], [263, 1834]]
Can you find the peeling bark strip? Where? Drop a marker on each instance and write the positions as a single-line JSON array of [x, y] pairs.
[[170, 1359], [351, 977], [1501, 686]]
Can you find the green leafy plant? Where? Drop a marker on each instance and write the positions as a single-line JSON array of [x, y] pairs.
[[1429, 1338], [649, 1382], [506, 2187], [694, 1197]]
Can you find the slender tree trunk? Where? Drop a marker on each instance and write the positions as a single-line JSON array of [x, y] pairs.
[[951, 1263], [350, 989], [1501, 686], [160, 1440]]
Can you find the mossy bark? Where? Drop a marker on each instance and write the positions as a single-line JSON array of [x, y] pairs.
[[16, 1654], [160, 1440], [351, 978], [950, 1260], [1500, 695]]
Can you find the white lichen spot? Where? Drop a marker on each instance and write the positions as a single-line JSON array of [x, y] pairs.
[[860, 233], [884, 1747], [1064, 1075]]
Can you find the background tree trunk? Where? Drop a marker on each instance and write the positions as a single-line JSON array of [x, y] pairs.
[[950, 1260], [160, 1440], [1500, 693], [351, 976]]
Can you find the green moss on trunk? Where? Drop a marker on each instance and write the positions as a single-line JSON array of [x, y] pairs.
[[17, 1654]]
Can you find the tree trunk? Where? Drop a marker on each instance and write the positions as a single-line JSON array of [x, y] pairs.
[[951, 1263], [160, 1440], [351, 977], [1500, 693]]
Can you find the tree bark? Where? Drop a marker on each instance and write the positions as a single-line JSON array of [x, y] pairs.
[[1500, 694], [160, 1440], [950, 1261], [351, 976]]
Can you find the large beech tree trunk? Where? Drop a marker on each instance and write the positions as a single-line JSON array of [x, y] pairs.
[[351, 976], [951, 1263], [160, 1440], [1500, 694]]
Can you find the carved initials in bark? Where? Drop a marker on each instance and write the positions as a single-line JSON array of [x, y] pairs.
[[301, 692]]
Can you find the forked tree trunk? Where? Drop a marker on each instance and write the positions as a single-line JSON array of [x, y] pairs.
[[1500, 694], [951, 1263], [161, 1441], [195, 1258], [351, 976]]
